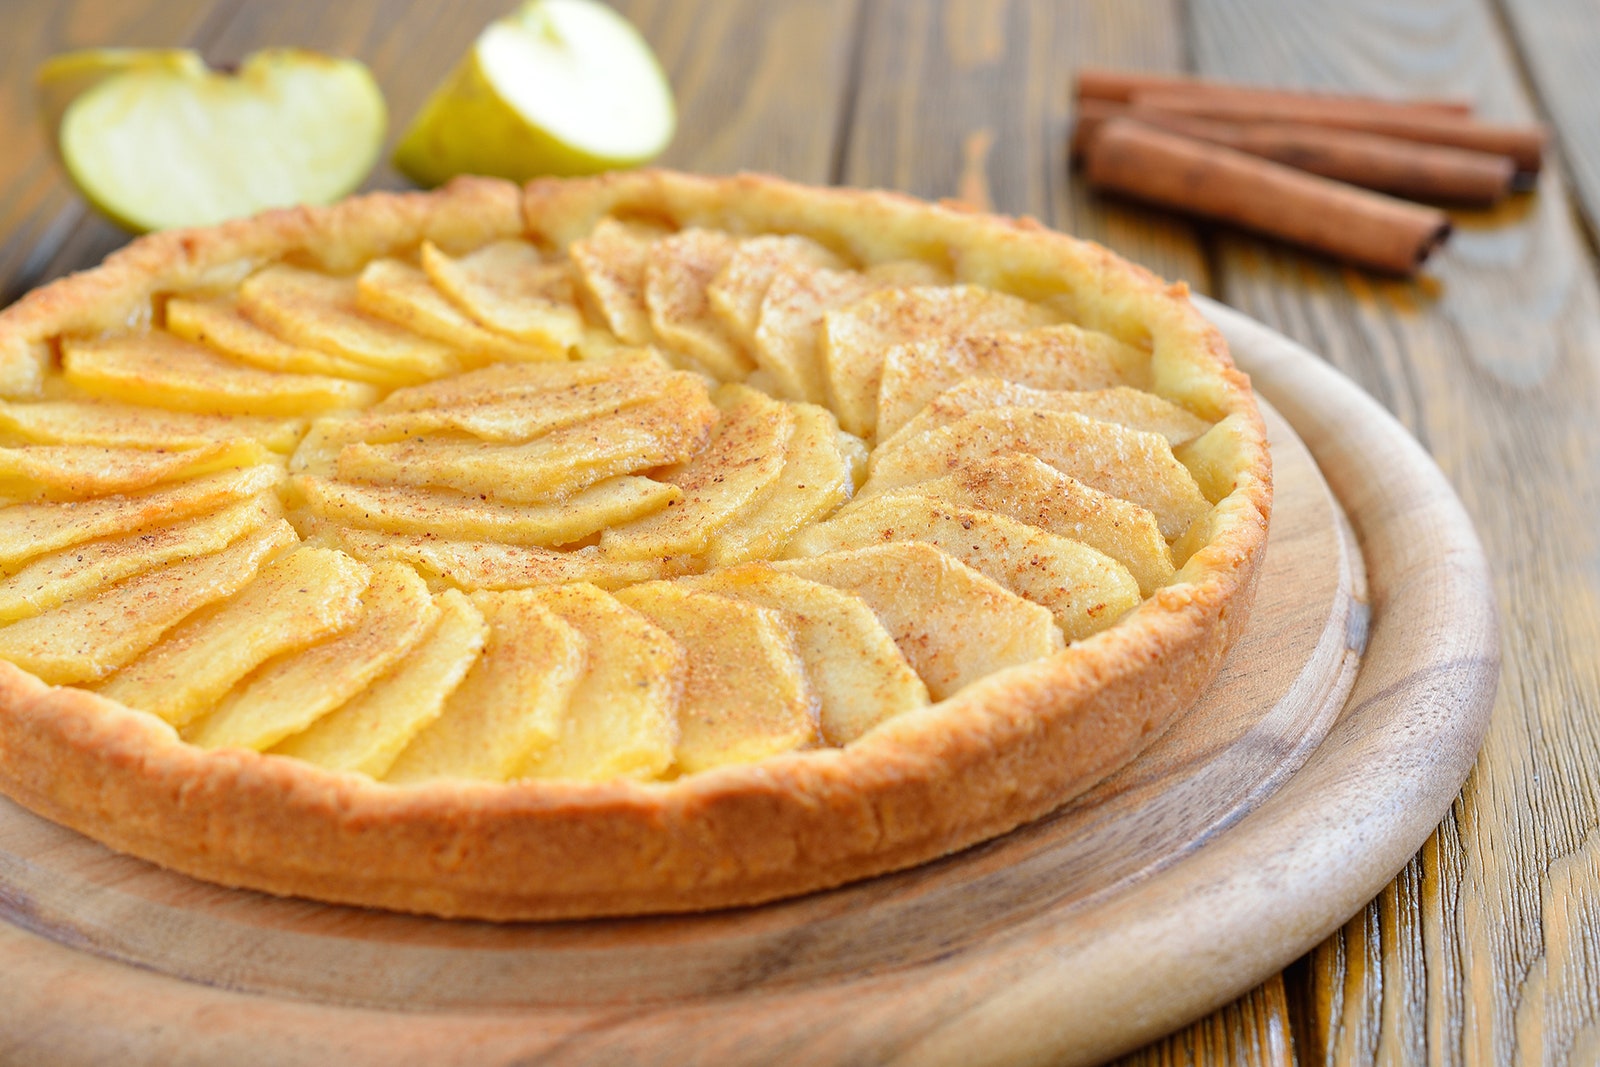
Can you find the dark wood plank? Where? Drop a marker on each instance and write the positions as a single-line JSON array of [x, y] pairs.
[[1487, 944], [760, 86], [966, 97], [38, 208], [1561, 56]]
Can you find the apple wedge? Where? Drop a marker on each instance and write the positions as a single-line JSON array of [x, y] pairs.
[[556, 87], [168, 142]]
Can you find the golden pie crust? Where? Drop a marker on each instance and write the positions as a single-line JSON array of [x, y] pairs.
[[1000, 752]]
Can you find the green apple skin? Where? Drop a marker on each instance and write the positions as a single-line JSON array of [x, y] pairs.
[[469, 126]]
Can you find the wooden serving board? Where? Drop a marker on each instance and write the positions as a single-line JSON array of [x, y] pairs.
[[1330, 746]]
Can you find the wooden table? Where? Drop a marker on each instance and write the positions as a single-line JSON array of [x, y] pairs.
[[1485, 948]]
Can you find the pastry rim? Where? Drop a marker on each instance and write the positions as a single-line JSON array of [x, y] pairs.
[[1003, 751]]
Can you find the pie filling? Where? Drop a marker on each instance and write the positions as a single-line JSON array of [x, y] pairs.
[[635, 505]]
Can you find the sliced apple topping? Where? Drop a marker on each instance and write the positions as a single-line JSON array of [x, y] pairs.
[[1126, 463], [308, 595], [677, 273], [952, 624], [86, 639], [622, 719], [84, 568], [369, 731], [29, 530], [74, 472], [1031, 491], [854, 338], [745, 695], [744, 457], [111, 425], [513, 703], [737, 290], [538, 539], [474, 565], [1087, 590], [611, 264], [511, 381], [322, 311], [294, 690], [162, 371], [1124, 406], [1062, 356], [509, 287], [852, 662], [218, 324], [516, 418], [403, 294], [790, 325], [406, 509], [818, 475], [665, 430]]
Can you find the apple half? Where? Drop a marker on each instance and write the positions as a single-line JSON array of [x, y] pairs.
[[560, 87], [158, 140]]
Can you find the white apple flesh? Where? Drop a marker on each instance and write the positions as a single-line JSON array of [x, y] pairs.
[[165, 145]]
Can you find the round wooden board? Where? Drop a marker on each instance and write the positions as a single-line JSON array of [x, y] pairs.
[[1306, 777]]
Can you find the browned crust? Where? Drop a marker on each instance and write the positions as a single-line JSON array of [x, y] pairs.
[[1002, 752]]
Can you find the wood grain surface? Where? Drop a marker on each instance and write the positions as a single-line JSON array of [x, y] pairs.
[[1483, 951]]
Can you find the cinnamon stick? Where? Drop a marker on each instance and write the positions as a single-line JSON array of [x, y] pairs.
[[1524, 144], [1217, 182], [1436, 173], [1120, 86]]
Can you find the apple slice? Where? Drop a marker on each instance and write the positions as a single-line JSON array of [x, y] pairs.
[[112, 425], [858, 673], [675, 280], [90, 637], [295, 690], [370, 730], [511, 705], [622, 722], [297, 600], [951, 623], [1086, 589], [557, 87], [745, 695], [475, 565], [170, 142], [1133, 408]]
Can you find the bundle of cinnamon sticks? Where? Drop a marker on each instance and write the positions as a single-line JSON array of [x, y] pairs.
[[1315, 169]]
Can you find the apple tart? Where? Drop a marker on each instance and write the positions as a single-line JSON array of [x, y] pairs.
[[610, 546]]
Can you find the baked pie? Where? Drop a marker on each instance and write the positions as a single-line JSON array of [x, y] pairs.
[[621, 545]]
